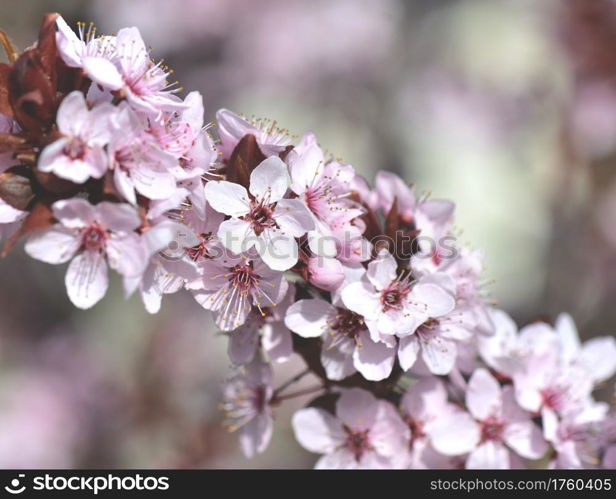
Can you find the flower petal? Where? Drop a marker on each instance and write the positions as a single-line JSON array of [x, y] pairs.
[[86, 279]]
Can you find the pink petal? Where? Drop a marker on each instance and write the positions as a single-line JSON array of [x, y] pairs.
[[317, 431], [103, 72], [74, 213], [86, 279], [269, 181], [455, 434], [489, 455], [408, 349], [483, 395], [227, 197], [308, 318], [357, 409], [120, 218], [373, 360], [54, 245]]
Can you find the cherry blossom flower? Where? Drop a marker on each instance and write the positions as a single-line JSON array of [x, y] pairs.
[[231, 129], [264, 327], [246, 405], [422, 406], [231, 285], [347, 346], [141, 81], [392, 304], [365, 433], [324, 187], [495, 432], [437, 340], [138, 164], [95, 55], [262, 219], [92, 237], [79, 154]]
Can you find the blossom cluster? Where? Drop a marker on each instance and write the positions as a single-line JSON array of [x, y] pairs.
[[293, 253]]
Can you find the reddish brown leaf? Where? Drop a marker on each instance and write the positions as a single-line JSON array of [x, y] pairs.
[[40, 217], [16, 189], [5, 106], [244, 159]]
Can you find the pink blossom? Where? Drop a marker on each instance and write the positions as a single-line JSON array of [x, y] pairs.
[[79, 154], [231, 285], [264, 327], [262, 219], [231, 129], [437, 341], [347, 346], [422, 406], [394, 304], [246, 405], [495, 430], [92, 236], [365, 433], [95, 55], [139, 165]]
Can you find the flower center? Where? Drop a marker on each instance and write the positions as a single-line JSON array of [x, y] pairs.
[[552, 397], [75, 149], [491, 429], [93, 238], [357, 441], [261, 218], [347, 323], [243, 278], [393, 296], [201, 250]]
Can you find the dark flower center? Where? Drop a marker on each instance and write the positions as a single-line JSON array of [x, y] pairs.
[[393, 296], [347, 323], [93, 238], [243, 278], [261, 217], [491, 429], [357, 441], [75, 149]]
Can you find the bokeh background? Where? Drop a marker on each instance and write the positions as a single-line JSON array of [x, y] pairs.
[[507, 107]]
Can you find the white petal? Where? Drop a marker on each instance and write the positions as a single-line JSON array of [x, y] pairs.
[[293, 217], [103, 72], [227, 197], [407, 351], [73, 213], [124, 185], [456, 434], [598, 355], [483, 395], [277, 342], [117, 217], [437, 301], [236, 235], [373, 360], [357, 408], [308, 318], [526, 439], [86, 279], [489, 455], [361, 298], [382, 270], [280, 251], [317, 430], [72, 113], [243, 344], [269, 181], [54, 245], [439, 355]]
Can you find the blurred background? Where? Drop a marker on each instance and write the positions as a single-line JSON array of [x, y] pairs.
[[508, 107]]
